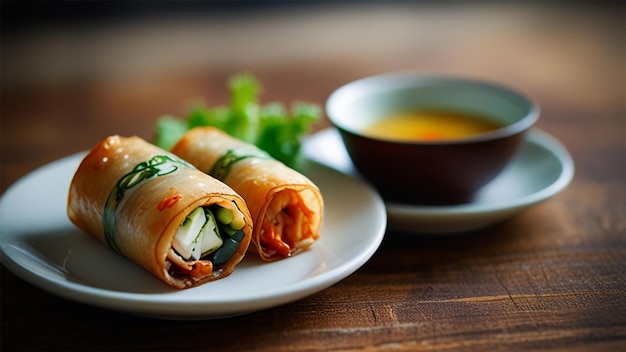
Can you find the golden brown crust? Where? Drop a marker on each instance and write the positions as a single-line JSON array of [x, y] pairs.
[[148, 217]]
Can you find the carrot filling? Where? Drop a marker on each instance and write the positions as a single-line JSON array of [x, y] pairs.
[[285, 226]]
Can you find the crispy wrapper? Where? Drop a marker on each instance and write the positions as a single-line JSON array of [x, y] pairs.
[[286, 206], [133, 196]]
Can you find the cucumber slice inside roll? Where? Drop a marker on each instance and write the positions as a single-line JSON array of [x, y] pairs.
[[210, 238], [235, 221], [188, 233], [199, 234]]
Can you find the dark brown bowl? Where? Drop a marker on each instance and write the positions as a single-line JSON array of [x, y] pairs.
[[434, 173]]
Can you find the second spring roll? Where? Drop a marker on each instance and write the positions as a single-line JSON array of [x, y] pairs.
[[182, 225], [286, 206]]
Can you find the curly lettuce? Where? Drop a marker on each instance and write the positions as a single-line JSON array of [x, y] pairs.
[[271, 127]]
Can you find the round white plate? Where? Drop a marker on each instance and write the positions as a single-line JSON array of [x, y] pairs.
[[541, 169], [39, 244]]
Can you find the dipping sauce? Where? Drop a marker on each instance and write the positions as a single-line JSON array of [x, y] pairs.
[[427, 125]]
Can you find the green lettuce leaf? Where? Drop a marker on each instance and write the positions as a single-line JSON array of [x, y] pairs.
[[272, 127]]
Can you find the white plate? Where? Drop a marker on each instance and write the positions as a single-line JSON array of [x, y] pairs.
[[541, 169], [39, 244]]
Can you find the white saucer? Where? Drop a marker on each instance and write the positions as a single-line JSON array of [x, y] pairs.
[[541, 169]]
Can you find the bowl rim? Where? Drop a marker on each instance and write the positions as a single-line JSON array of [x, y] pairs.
[[412, 79]]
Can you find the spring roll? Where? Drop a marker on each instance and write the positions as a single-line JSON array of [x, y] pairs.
[[180, 224], [286, 206]]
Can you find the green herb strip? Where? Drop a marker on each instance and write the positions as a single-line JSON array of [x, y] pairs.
[[158, 165], [222, 167]]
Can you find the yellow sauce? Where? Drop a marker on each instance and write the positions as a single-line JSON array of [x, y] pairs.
[[426, 125]]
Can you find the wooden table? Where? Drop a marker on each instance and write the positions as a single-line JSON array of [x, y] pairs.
[[551, 278]]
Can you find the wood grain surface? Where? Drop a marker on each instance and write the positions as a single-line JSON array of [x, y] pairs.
[[551, 278]]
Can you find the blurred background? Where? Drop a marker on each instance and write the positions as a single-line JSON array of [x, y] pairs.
[[74, 72]]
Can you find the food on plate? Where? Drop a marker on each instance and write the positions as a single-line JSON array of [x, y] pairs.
[[271, 127], [286, 206], [183, 226]]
